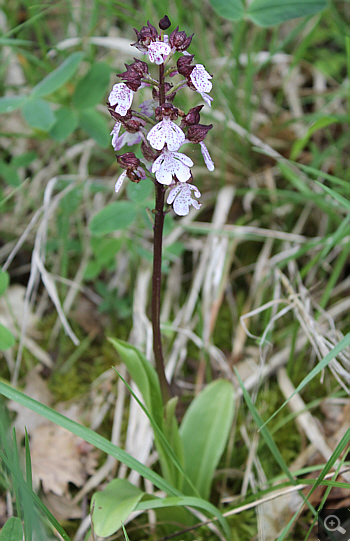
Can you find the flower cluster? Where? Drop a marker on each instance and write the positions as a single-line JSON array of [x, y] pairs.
[[157, 125]]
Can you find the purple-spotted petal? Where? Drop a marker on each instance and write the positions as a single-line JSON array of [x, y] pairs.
[[181, 198], [201, 78], [208, 99], [172, 163], [115, 133], [148, 107], [119, 182], [156, 50], [208, 161], [127, 139], [167, 132], [121, 96]]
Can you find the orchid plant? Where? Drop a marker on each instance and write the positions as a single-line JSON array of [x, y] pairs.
[[155, 128]]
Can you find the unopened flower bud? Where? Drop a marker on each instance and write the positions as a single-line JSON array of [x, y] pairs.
[[193, 116], [184, 65], [164, 23], [198, 132], [179, 40], [145, 37], [128, 161], [132, 165]]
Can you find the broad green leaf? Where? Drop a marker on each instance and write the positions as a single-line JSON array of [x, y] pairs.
[[168, 456], [104, 250], [91, 88], [113, 505], [12, 530], [23, 160], [139, 192], [301, 143], [9, 174], [66, 122], [4, 281], [10, 103], [38, 114], [118, 215], [189, 501], [204, 432], [271, 12], [95, 126], [144, 376], [92, 270], [59, 76], [171, 433], [230, 9], [7, 340]]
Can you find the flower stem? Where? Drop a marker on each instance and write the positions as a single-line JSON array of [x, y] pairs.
[[157, 270]]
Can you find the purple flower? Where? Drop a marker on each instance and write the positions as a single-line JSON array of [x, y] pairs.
[[156, 50], [119, 182], [208, 161], [167, 132], [121, 96], [200, 79], [182, 198], [148, 107], [126, 139], [172, 163], [133, 169], [115, 133]]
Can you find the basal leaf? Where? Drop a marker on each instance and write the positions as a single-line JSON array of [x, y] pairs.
[[38, 114], [204, 432], [230, 9], [272, 12], [91, 88], [113, 505], [144, 376], [59, 76], [117, 215]]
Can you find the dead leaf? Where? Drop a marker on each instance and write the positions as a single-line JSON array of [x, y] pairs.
[[56, 459], [36, 387]]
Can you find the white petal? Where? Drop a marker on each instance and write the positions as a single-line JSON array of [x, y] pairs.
[[208, 161], [182, 172], [156, 136], [121, 96], [119, 182], [183, 158], [208, 99], [200, 78], [174, 136], [115, 133], [197, 193], [173, 193], [156, 49], [116, 128]]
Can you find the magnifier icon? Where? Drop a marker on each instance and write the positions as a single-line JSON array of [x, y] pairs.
[[332, 524]]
